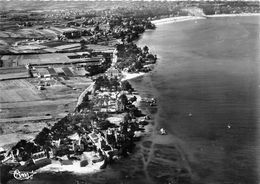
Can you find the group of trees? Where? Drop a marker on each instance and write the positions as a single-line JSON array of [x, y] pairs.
[[105, 82], [133, 58], [82, 123], [210, 8], [24, 149], [109, 83], [127, 55], [98, 69], [85, 104]]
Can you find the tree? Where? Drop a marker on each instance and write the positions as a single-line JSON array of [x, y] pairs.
[[96, 28], [127, 117], [150, 56], [43, 137], [60, 129], [124, 100], [133, 99], [85, 104], [102, 81], [25, 149], [126, 86], [145, 49], [104, 124], [138, 66], [102, 115], [114, 83]]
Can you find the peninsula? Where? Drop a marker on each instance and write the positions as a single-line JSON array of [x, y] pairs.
[[106, 120], [66, 103]]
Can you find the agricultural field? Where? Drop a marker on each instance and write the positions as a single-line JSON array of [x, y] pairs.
[[18, 91], [100, 48], [28, 33], [12, 132], [22, 101], [21, 60], [25, 110], [13, 73], [45, 59]]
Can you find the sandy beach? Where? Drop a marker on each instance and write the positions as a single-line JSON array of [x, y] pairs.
[[128, 76], [175, 19], [75, 168], [187, 18]]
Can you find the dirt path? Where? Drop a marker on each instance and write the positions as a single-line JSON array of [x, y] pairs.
[[82, 95]]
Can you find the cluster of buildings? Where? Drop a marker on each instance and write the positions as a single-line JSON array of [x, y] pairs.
[[97, 144], [101, 141], [74, 51]]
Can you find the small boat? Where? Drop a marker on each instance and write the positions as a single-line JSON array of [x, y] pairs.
[[147, 117], [163, 131], [152, 104], [153, 100], [149, 100], [229, 126]]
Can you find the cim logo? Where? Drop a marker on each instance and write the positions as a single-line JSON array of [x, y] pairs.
[[22, 175]]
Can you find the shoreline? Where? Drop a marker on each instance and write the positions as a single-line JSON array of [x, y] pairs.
[[75, 168], [187, 18], [155, 138], [175, 19], [188, 154], [234, 15], [129, 76], [153, 133]]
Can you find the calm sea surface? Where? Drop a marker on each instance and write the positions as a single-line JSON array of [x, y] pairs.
[[210, 68]]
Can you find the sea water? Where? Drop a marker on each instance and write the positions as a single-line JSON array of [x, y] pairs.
[[207, 82]]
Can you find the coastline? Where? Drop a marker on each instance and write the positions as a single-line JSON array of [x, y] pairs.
[[129, 76], [175, 19], [75, 168], [186, 152], [187, 18], [156, 139], [234, 15]]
